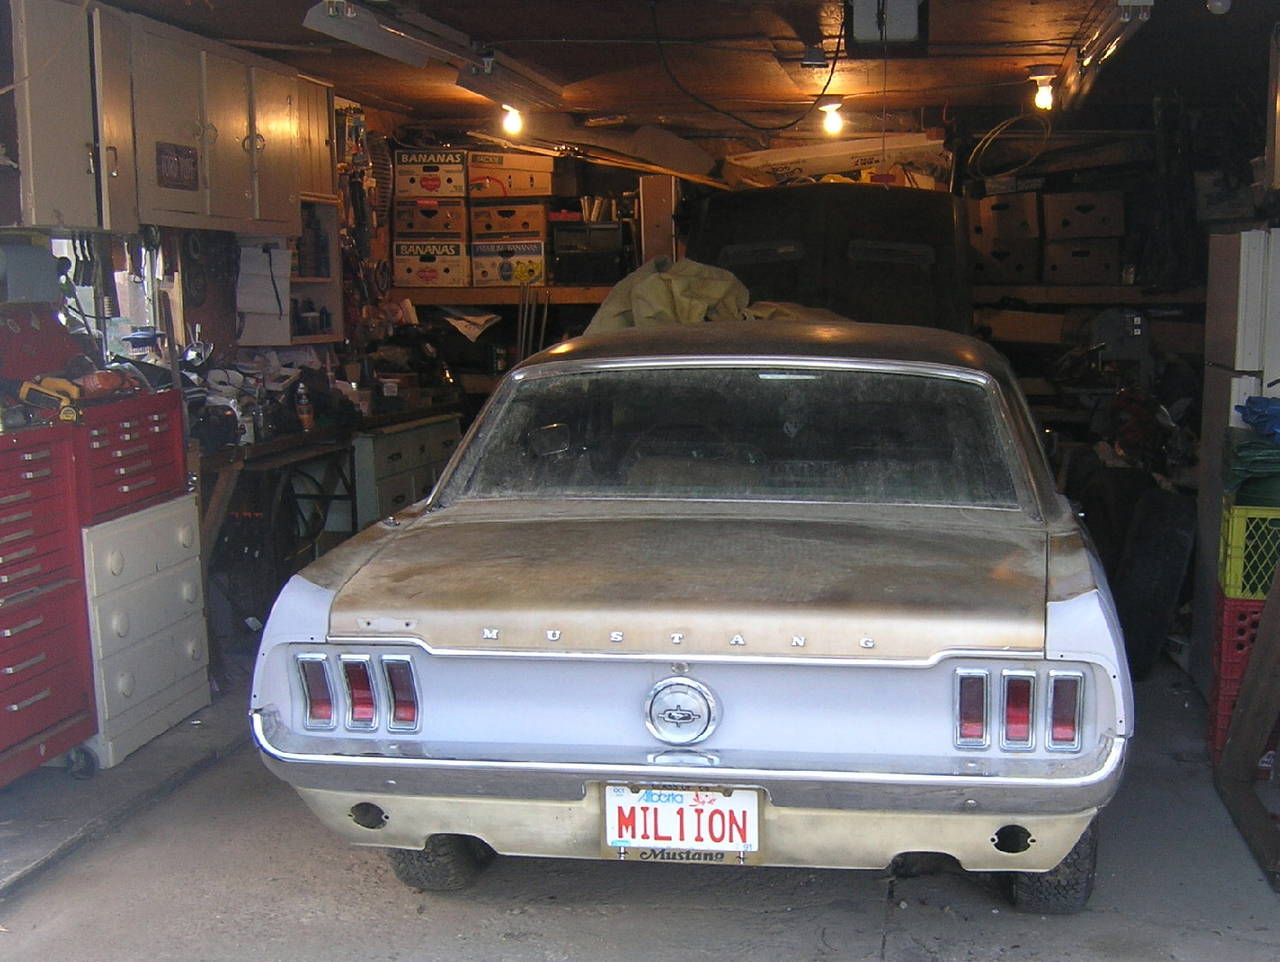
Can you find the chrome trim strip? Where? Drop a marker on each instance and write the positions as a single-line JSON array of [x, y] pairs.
[[392, 724], [985, 740], [367, 661], [1006, 742], [695, 775], [1049, 743], [323, 660], [680, 655]]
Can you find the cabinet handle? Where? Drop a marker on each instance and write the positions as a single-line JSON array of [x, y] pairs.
[[26, 572], [33, 475], [115, 161], [398, 499], [211, 134], [133, 468], [15, 498], [92, 169], [37, 455], [125, 452], [20, 516], [35, 622], [394, 456], [19, 705], [159, 428], [17, 555], [126, 425], [447, 443], [17, 536], [24, 665], [126, 488]]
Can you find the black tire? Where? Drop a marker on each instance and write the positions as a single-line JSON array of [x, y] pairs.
[[1149, 579], [1064, 889], [447, 863]]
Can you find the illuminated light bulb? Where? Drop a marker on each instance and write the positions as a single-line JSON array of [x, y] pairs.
[[1044, 97], [832, 122], [512, 121], [1043, 76]]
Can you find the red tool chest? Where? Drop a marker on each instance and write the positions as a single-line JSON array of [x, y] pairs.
[[129, 454]]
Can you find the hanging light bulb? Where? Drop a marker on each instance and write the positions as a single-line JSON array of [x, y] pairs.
[[1043, 76], [512, 120], [832, 122]]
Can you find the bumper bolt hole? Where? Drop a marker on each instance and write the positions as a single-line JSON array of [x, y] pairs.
[[1012, 839], [368, 815]]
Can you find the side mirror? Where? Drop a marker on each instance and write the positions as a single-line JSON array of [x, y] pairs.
[[550, 439]]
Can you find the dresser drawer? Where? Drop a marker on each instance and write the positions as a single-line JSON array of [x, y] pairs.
[[36, 656], [33, 705], [130, 677], [398, 492], [441, 439], [136, 611], [120, 552]]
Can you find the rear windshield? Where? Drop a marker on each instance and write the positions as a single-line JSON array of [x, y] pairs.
[[759, 433]]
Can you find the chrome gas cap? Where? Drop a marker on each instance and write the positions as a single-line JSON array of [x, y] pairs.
[[681, 711]]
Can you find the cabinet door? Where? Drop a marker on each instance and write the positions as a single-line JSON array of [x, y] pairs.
[[54, 104], [315, 129], [275, 148], [168, 125], [117, 174], [228, 137]]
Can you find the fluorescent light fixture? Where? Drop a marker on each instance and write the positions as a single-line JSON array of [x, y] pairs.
[[392, 38], [504, 81]]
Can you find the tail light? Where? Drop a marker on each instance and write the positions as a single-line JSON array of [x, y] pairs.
[[362, 705], [971, 709], [1019, 689], [316, 691], [1064, 711], [404, 694]]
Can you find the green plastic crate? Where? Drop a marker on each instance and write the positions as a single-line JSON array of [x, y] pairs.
[[1249, 551]]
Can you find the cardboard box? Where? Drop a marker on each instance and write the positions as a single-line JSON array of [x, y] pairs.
[[430, 173], [1089, 261], [440, 217], [1006, 262], [430, 262], [1010, 216], [1020, 327], [1083, 214], [502, 220], [508, 263], [508, 174]]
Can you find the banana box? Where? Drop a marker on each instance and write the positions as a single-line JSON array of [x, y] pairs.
[[430, 173], [503, 174], [438, 216], [508, 263], [430, 262]]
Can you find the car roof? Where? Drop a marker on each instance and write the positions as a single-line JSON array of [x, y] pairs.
[[785, 339]]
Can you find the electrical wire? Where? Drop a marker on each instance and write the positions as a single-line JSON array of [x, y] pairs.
[[980, 149], [666, 66]]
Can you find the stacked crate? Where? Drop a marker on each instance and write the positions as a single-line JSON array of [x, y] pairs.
[[1246, 565], [1004, 237], [1082, 232], [508, 218], [429, 220]]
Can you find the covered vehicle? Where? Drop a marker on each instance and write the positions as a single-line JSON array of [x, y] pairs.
[[734, 593]]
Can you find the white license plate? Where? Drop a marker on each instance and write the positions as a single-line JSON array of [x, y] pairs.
[[674, 817]]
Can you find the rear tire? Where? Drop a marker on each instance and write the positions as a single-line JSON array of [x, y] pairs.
[[447, 863], [1064, 889]]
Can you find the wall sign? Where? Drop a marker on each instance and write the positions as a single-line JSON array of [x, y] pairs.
[[177, 166]]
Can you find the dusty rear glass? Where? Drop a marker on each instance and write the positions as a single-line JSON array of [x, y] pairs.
[[755, 433]]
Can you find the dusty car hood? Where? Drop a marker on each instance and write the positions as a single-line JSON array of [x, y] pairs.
[[689, 585]]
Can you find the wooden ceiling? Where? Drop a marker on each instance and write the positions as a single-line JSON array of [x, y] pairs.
[[716, 68]]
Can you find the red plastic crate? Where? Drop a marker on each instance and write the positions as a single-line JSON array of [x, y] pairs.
[[1237, 627]]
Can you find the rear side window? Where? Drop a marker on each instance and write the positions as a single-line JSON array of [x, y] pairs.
[[756, 433]]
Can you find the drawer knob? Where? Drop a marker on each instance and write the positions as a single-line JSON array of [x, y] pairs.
[[194, 649], [189, 592], [115, 562], [125, 683], [186, 536], [120, 624]]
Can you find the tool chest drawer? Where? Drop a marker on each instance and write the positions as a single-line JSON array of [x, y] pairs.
[[37, 655], [28, 614], [129, 453], [34, 464], [40, 702]]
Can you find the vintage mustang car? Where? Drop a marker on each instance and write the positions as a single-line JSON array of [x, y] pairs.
[[736, 593]]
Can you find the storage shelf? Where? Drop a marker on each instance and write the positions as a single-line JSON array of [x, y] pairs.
[[329, 338], [309, 280], [499, 295], [1100, 294]]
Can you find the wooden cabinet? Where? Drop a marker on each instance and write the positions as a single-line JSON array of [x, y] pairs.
[[398, 465], [113, 87], [317, 169], [217, 134]]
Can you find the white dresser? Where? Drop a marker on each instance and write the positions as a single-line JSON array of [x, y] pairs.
[[146, 625], [397, 465]]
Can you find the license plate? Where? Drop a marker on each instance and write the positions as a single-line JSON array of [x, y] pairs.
[[659, 821]]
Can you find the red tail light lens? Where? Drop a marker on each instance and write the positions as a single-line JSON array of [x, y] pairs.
[[1064, 712], [319, 697], [363, 710], [971, 709], [1017, 710], [404, 693]]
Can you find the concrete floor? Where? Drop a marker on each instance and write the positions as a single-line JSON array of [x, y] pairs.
[[230, 865]]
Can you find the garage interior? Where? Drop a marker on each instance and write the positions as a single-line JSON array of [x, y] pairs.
[[334, 226]]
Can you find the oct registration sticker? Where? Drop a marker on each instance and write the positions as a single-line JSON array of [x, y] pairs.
[[676, 824]]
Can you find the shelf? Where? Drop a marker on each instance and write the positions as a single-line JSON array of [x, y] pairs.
[[499, 295], [329, 338], [1100, 294], [309, 280]]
